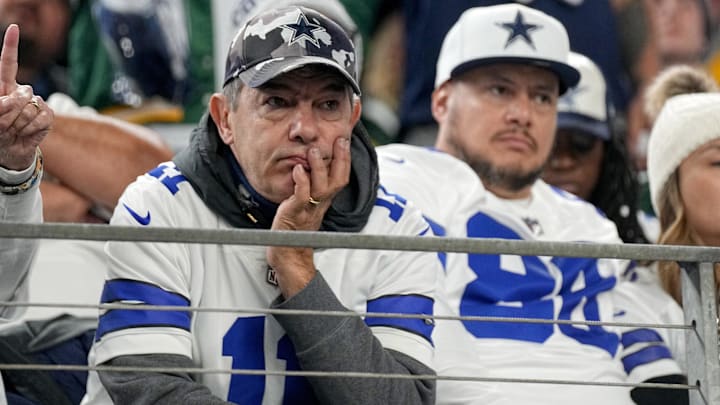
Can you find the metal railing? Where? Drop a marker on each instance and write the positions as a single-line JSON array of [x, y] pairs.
[[698, 279]]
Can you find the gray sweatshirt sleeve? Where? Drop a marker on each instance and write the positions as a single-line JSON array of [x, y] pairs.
[[17, 255], [348, 344], [155, 388]]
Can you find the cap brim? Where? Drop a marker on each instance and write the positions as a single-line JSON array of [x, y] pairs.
[[585, 124], [568, 76], [265, 71]]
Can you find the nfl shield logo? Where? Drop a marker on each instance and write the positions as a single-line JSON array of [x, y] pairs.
[[271, 276]]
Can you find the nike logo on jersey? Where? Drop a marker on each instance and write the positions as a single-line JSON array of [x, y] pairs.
[[142, 220]]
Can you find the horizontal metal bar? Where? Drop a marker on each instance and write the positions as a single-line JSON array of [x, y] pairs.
[[358, 241], [335, 374], [277, 311]]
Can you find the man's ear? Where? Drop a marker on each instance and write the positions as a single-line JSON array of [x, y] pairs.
[[439, 103], [219, 109]]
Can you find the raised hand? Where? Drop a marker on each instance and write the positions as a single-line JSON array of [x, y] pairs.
[[314, 191], [25, 119], [304, 210]]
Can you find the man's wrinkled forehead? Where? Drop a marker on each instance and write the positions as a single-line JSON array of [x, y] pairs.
[[326, 77]]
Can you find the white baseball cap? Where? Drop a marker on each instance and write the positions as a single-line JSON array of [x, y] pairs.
[[584, 107], [506, 33]]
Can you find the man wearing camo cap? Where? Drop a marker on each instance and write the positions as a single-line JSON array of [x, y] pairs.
[[279, 149]]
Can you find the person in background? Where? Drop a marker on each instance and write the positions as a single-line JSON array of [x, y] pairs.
[[589, 158], [495, 101], [593, 28], [73, 190], [383, 71], [105, 59], [279, 149], [682, 165], [43, 49], [671, 81], [590, 161], [684, 29], [674, 81]]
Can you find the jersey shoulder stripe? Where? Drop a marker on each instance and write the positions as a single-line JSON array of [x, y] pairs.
[[136, 292], [644, 356], [403, 304], [638, 336]]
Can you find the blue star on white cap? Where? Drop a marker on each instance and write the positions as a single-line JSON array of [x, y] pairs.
[[519, 29], [303, 29]]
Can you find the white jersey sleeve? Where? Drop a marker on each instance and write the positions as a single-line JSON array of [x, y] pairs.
[[648, 352], [405, 281], [148, 273]]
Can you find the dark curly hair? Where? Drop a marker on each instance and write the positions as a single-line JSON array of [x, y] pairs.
[[616, 192]]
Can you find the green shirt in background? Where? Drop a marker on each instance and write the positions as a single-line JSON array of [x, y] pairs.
[[91, 72]]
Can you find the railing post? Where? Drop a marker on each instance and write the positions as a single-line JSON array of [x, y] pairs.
[[700, 306]]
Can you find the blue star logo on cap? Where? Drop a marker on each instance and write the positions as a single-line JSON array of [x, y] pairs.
[[303, 29], [519, 29]]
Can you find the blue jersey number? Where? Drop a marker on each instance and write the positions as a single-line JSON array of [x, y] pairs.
[[169, 176], [523, 287], [245, 342], [396, 204]]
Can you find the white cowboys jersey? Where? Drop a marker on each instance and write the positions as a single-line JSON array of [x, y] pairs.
[[232, 276], [456, 204]]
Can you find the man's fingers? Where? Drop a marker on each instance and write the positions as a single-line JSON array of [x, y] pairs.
[[39, 125], [9, 59], [340, 167], [13, 105], [302, 183], [318, 170], [35, 113]]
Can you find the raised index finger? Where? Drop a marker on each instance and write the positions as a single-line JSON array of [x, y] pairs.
[[9, 59]]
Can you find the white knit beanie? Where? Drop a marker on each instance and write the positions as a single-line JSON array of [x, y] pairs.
[[685, 123]]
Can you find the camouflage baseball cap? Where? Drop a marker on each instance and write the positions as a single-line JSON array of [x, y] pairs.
[[280, 40]]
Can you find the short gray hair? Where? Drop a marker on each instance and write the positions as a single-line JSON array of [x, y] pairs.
[[231, 91]]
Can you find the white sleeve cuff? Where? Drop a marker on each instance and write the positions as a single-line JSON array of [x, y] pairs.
[[12, 177]]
